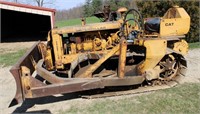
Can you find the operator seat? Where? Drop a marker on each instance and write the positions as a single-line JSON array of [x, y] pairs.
[[152, 25]]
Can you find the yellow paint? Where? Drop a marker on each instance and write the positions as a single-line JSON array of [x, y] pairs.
[[69, 58], [88, 27], [92, 68], [87, 46], [25, 79], [58, 50], [48, 60], [155, 51], [181, 46], [176, 21]]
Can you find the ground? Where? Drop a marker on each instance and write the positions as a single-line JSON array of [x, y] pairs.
[[63, 103]]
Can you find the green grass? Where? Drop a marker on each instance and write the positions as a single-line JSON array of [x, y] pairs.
[[8, 59], [77, 21], [194, 45], [183, 99]]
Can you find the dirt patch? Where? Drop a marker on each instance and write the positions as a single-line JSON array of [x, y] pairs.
[[193, 62], [13, 47], [7, 88], [56, 104]]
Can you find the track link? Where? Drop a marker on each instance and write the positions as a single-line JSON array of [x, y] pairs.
[[142, 89]]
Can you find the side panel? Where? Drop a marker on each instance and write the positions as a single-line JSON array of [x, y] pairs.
[[176, 21], [174, 26], [155, 51], [58, 50]]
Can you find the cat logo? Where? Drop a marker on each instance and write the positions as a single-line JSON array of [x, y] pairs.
[[169, 24]]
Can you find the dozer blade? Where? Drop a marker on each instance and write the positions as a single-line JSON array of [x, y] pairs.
[[16, 71], [30, 67]]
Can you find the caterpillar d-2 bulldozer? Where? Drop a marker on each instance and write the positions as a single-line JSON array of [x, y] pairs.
[[119, 55]]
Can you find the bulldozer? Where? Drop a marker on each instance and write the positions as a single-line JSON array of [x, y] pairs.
[[119, 52]]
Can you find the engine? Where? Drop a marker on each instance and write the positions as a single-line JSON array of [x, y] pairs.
[[91, 41]]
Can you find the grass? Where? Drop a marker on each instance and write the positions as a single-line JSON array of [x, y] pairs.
[[183, 99], [194, 45], [8, 59], [77, 21]]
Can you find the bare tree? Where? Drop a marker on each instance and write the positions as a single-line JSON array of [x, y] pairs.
[[75, 12], [41, 3]]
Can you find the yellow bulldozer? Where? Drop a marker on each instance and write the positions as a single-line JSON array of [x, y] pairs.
[[119, 52]]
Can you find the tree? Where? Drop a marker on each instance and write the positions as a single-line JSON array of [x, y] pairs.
[[75, 12], [41, 3], [115, 4], [158, 9], [88, 8], [96, 6]]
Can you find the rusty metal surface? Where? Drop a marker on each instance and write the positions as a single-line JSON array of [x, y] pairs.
[[88, 27], [46, 74], [128, 80], [122, 58], [140, 89], [92, 68], [134, 91], [68, 85], [15, 70], [19, 96], [76, 85], [63, 85]]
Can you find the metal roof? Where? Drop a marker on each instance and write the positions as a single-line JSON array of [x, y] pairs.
[[29, 9], [27, 6]]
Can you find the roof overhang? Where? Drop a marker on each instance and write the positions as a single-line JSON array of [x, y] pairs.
[[26, 8]]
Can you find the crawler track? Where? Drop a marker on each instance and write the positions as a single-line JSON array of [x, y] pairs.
[[162, 83], [142, 89]]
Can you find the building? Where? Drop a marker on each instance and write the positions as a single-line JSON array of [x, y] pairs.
[[20, 22]]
